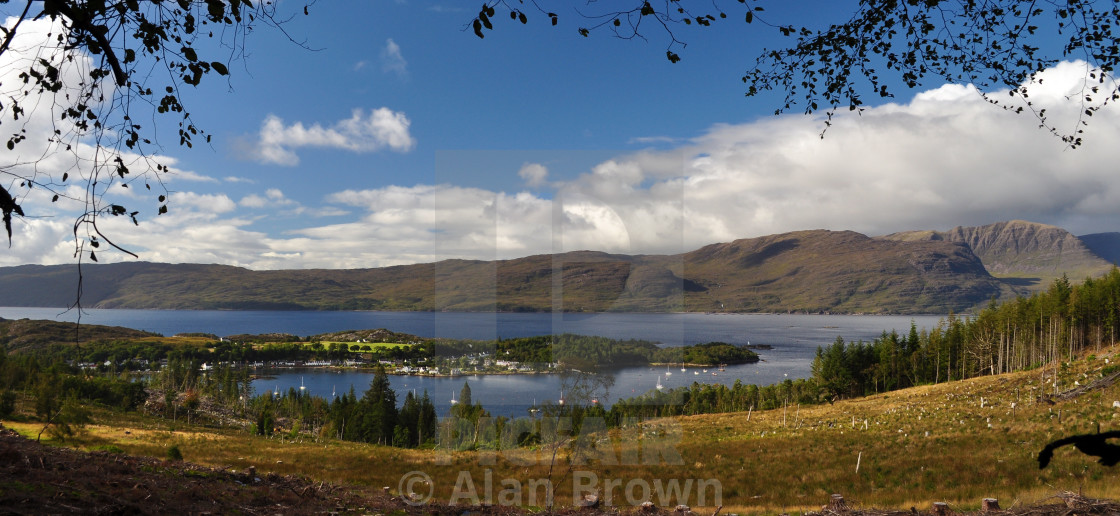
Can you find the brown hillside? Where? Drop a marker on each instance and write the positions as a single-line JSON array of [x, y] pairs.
[[1027, 255], [828, 271], [806, 271]]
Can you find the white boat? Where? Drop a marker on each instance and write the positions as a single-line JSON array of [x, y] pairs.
[[659, 386], [667, 371]]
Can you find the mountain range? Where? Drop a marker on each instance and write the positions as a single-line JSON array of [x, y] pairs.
[[817, 271]]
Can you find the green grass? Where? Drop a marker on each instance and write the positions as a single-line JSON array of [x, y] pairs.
[[374, 346]]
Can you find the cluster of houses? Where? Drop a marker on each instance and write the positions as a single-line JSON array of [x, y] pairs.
[[476, 363]]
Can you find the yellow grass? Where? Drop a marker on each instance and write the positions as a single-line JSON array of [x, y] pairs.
[[956, 443]]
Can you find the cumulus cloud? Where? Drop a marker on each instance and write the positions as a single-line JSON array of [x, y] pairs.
[[391, 59], [945, 158], [72, 172], [534, 174], [382, 128], [272, 197]]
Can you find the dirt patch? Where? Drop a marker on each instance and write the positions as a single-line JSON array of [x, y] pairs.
[[39, 479]]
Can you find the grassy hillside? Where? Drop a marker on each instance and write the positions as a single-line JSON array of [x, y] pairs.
[[26, 334], [956, 443], [808, 271]]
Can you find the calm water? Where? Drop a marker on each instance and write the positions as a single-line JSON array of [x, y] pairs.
[[512, 395], [794, 339]]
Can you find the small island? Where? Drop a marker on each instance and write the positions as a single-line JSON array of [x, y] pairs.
[[119, 349]]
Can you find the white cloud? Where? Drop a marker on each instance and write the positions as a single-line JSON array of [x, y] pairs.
[[391, 59], [212, 204], [534, 174], [946, 158], [273, 197], [383, 128], [445, 9], [55, 148], [186, 175], [650, 140]]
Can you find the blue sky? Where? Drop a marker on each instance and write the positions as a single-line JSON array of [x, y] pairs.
[[397, 136]]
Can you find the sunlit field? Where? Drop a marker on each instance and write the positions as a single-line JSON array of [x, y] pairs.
[[956, 443]]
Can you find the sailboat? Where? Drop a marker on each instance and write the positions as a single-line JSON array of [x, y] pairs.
[[301, 387], [659, 386], [667, 371]]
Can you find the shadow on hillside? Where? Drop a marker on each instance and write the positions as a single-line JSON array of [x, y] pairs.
[[1021, 282]]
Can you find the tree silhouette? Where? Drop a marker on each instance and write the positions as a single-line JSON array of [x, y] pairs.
[[90, 72], [994, 45]]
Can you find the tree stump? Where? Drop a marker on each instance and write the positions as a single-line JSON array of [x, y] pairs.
[[836, 503], [588, 502], [941, 509], [989, 505], [648, 507]]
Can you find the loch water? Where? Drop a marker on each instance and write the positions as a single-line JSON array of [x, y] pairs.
[[792, 340]]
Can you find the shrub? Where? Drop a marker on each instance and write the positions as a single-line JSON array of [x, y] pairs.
[[7, 404], [174, 454]]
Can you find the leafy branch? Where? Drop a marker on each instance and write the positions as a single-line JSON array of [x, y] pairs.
[[999, 46]]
